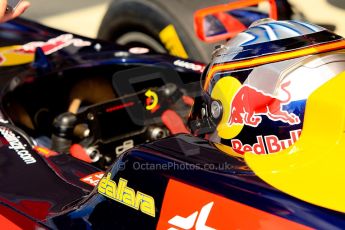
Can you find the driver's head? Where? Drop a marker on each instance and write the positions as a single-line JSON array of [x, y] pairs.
[[255, 88]]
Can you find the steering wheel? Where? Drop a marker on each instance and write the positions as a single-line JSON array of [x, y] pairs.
[[137, 118]]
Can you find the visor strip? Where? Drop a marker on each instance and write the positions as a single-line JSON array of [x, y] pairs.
[[272, 58]]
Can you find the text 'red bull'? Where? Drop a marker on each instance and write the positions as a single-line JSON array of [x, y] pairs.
[[250, 102], [266, 144]]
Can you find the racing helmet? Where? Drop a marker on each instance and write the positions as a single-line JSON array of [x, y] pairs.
[[255, 88]]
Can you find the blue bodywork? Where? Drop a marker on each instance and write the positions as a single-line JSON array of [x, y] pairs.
[[49, 193]]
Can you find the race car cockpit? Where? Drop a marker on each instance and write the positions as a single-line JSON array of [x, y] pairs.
[[101, 111]]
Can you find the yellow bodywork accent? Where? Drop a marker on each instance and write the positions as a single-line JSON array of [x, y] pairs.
[[313, 168], [172, 42]]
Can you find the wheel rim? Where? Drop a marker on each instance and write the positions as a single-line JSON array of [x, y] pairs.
[[141, 39]]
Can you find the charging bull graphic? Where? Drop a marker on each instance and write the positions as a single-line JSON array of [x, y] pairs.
[[54, 44], [249, 103], [23, 54]]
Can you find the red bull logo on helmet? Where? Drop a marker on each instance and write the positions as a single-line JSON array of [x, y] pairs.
[[249, 104], [266, 144]]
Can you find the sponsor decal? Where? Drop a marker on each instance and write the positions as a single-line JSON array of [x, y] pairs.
[[125, 195], [10, 56], [138, 50], [23, 54], [189, 65], [202, 210], [93, 179], [172, 42], [17, 146], [151, 100], [249, 103], [54, 44], [266, 144], [3, 119], [196, 220], [45, 152]]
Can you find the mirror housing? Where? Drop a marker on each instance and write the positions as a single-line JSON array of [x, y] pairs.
[[224, 21]]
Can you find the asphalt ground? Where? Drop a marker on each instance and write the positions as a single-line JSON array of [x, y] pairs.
[[77, 16], [323, 12], [84, 16]]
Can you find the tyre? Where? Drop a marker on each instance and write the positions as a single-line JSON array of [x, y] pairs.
[[163, 26]]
